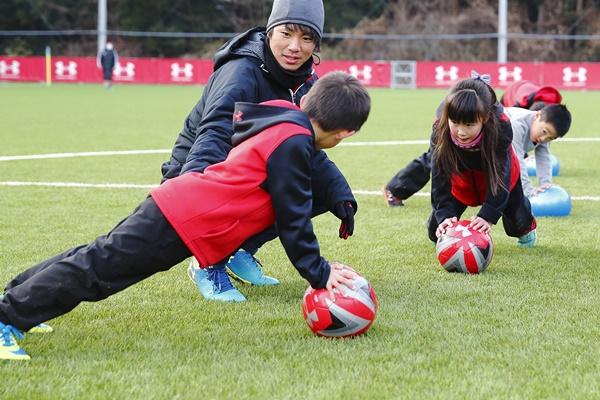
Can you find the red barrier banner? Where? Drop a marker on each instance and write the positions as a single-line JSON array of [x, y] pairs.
[[370, 73], [134, 70], [560, 75], [446, 74], [127, 70], [22, 69], [429, 74], [182, 71], [572, 75], [75, 69]]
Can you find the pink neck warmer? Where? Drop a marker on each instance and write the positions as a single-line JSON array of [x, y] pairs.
[[475, 142]]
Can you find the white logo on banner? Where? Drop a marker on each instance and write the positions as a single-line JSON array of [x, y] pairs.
[[505, 76], [182, 74], [579, 75], [65, 70], [364, 75], [10, 69], [124, 73], [443, 76]]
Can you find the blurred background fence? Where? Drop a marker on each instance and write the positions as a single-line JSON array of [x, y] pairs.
[[459, 30], [386, 43]]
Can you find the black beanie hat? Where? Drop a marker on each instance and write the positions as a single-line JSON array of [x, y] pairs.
[[303, 12]]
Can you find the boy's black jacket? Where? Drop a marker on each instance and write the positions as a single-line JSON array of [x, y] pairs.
[[289, 184]]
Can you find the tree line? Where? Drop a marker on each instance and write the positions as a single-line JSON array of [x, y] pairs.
[[392, 17]]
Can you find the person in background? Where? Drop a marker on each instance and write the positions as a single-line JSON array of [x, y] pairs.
[[107, 60]]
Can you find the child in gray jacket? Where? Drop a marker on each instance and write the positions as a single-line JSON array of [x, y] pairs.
[[534, 130]]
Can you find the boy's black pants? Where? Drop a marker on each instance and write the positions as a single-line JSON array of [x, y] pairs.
[[410, 179], [139, 246], [517, 218]]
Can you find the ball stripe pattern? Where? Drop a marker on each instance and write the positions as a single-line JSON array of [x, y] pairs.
[[351, 314], [462, 249]]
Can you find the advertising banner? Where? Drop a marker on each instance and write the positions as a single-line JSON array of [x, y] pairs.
[[433, 74], [429, 74]]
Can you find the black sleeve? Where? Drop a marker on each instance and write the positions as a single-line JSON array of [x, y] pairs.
[[329, 185], [441, 196], [213, 131], [183, 143], [494, 206], [289, 184], [441, 187]]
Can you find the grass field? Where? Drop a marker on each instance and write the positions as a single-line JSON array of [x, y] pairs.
[[528, 328]]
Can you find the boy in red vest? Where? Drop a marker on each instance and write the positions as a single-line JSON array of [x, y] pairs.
[[265, 179]]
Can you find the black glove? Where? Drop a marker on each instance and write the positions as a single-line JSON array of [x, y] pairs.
[[345, 211]]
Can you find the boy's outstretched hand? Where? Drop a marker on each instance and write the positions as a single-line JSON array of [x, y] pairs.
[[541, 188], [339, 274]]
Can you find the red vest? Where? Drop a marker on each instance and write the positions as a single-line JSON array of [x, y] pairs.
[[214, 212], [470, 186]]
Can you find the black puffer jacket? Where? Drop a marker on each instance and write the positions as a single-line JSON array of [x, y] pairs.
[[240, 75]]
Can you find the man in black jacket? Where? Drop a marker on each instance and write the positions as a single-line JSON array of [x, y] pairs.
[[107, 60], [256, 66]]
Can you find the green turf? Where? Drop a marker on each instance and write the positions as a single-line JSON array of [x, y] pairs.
[[527, 328]]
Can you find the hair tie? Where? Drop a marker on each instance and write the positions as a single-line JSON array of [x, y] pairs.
[[485, 78]]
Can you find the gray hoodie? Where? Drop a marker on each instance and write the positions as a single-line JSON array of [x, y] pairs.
[[521, 120]]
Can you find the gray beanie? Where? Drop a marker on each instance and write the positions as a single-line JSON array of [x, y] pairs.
[[303, 12]]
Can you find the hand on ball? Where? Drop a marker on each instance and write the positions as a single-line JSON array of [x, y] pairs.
[[339, 274]]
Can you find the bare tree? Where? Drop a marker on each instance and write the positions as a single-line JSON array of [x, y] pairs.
[[244, 14]]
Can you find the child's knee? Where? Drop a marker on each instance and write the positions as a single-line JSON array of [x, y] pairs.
[[519, 227]]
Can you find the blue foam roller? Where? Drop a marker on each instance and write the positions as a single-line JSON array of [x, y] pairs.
[[530, 162], [553, 202]]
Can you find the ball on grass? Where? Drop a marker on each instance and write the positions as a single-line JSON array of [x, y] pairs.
[[350, 314], [463, 249], [552, 202]]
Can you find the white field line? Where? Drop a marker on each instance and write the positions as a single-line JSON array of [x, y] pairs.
[[80, 185], [378, 193], [410, 142], [167, 151], [138, 186], [84, 154]]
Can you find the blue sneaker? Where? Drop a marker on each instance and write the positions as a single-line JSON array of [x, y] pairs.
[[41, 328], [9, 348], [214, 283], [528, 240], [244, 267]]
